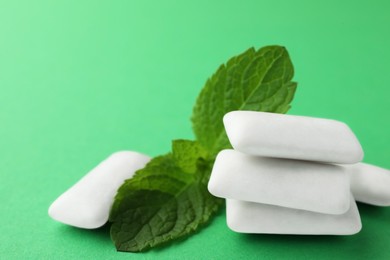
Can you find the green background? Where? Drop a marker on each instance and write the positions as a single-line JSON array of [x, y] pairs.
[[82, 79]]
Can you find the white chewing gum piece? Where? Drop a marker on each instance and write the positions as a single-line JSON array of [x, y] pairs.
[[370, 184], [249, 217], [295, 184], [88, 202], [292, 137]]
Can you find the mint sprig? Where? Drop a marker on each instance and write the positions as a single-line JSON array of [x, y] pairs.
[[168, 199]]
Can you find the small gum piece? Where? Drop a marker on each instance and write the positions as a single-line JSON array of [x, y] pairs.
[[370, 184], [88, 202], [292, 137], [295, 184], [249, 217]]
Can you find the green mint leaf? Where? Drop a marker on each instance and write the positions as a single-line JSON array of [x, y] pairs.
[[186, 153], [168, 199], [165, 200], [254, 80]]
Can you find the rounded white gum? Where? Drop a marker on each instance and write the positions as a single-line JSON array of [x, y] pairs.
[[249, 217], [88, 202], [295, 184], [370, 184], [292, 137]]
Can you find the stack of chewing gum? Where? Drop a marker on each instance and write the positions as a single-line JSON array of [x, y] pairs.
[[294, 175], [286, 175]]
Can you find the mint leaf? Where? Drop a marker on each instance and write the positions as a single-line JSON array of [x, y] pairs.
[[168, 199], [186, 153], [165, 200], [254, 80]]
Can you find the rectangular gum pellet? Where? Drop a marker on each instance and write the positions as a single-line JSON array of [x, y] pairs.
[[292, 137], [88, 202], [370, 184], [255, 218], [295, 184]]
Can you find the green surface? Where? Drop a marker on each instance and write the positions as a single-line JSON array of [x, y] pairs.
[[82, 79]]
